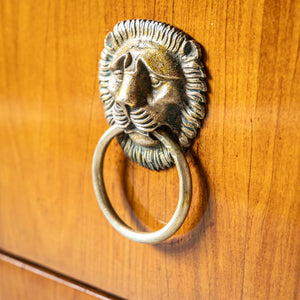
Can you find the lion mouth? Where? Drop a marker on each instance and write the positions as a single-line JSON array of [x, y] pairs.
[[135, 121]]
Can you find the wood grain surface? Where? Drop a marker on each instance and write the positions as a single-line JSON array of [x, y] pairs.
[[242, 236]]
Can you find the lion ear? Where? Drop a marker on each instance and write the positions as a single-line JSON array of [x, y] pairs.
[[190, 50], [110, 41]]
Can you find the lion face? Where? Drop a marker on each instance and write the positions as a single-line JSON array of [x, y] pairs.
[[147, 96], [149, 81]]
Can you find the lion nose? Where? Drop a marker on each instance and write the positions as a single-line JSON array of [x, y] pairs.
[[128, 92]]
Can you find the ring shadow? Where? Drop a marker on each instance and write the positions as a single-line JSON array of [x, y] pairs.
[[184, 238]]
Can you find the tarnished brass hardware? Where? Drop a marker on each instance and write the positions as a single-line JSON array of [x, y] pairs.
[[185, 184], [152, 85], [151, 76]]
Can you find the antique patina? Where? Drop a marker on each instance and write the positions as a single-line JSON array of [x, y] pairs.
[[151, 77]]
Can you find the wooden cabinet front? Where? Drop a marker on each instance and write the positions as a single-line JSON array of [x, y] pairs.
[[241, 239]]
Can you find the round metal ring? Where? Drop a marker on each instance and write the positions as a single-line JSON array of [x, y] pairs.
[[185, 184]]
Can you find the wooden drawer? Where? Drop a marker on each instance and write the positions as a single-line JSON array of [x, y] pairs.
[[241, 239]]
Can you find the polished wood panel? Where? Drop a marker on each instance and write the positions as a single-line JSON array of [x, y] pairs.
[[21, 280], [241, 239]]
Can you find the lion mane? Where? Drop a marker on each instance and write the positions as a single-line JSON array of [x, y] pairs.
[[188, 54]]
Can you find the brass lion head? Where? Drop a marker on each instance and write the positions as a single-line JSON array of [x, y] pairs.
[[151, 76]]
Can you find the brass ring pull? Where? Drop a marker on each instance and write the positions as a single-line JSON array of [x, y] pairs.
[[185, 193], [151, 78]]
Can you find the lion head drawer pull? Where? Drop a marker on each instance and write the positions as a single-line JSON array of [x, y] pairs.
[[152, 85]]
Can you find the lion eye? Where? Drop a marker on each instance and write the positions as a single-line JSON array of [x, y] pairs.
[[118, 75], [155, 81]]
